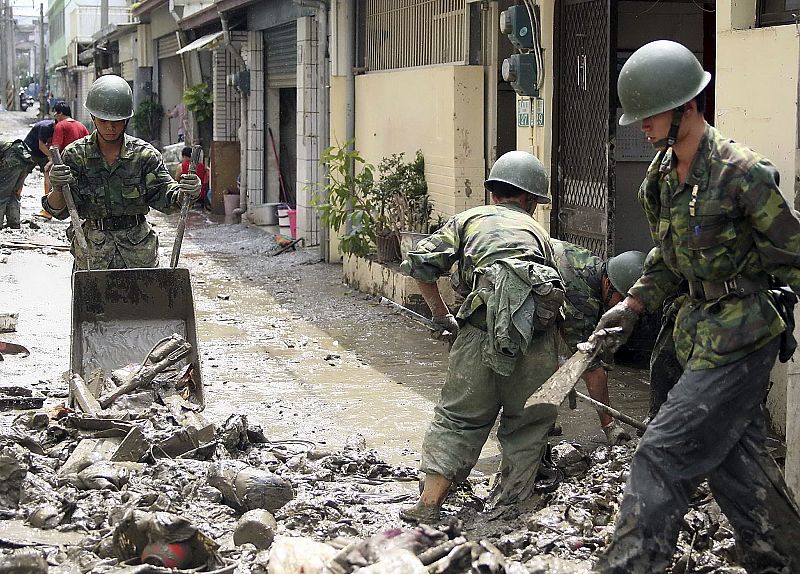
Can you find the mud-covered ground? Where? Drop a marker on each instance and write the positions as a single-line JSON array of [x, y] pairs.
[[341, 387]]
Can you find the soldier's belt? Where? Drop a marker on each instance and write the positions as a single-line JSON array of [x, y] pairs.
[[738, 285], [116, 223]]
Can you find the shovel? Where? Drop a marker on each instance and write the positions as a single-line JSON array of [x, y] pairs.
[[117, 314], [561, 383], [186, 200], [80, 236]]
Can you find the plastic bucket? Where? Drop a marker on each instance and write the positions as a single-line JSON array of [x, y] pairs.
[[272, 213], [293, 222], [231, 203]]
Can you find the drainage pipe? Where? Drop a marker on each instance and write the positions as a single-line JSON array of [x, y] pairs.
[[226, 35]]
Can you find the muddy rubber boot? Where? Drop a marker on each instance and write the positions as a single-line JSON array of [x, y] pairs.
[[426, 510]]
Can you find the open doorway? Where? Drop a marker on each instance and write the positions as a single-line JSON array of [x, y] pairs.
[[597, 165]]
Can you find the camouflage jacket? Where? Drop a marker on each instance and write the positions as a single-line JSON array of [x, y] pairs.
[[475, 239], [728, 218], [137, 181], [15, 164], [582, 274]]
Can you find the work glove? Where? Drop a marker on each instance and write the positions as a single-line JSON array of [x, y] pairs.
[[615, 434], [620, 315], [190, 185], [447, 323], [61, 175]]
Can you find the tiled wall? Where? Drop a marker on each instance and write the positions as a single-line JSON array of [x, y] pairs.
[[309, 172], [254, 147]]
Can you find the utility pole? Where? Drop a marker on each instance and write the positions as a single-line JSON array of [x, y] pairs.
[[3, 51], [42, 63], [11, 53]]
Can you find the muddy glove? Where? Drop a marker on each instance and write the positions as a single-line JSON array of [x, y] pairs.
[[621, 315], [447, 323], [190, 185], [61, 175], [615, 434]]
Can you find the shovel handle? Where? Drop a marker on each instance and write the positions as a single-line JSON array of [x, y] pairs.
[[612, 412], [185, 201], [80, 237]]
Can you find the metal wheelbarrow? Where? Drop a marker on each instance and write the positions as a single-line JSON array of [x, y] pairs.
[[118, 314]]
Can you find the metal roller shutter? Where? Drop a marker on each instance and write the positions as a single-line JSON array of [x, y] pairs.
[[281, 54], [167, 46]]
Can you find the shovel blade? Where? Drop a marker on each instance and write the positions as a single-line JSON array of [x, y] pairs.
[[557, 387]]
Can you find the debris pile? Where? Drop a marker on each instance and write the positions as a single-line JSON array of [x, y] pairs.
[[128, 476]]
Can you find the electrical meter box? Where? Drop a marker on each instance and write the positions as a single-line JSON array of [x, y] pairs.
[[520, 71], [516, 24]]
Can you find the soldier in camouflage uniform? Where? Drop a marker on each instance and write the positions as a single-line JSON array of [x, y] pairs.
[[720, 223], [592, 287], [15, 165], [505, 347], [115, 180]]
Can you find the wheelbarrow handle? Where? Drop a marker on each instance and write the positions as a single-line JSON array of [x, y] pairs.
[[185, 201], [80, 236]]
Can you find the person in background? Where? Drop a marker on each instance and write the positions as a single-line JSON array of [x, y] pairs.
[[592, 287], [179, 112], [202, 172], [67, 129], [37, 143], [15, 165]]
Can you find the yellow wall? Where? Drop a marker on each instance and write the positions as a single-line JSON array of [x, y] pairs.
[[438, 109], [756, 93]]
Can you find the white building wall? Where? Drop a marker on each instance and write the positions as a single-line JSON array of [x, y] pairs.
[[308, 146], [254, 143]]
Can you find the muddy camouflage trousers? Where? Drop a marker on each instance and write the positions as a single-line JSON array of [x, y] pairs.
[[711, 426], [471, 399], [665, 369], [136, 247], [10, 212]]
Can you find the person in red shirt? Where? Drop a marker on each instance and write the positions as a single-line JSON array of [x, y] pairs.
[[202, 173], [67, 129]]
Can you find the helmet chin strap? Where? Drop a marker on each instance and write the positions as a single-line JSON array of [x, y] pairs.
[[672, 136]]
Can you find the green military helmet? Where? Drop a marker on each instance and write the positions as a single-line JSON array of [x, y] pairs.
[[658, 77], [624, 270], [522, 170], [110, 98]]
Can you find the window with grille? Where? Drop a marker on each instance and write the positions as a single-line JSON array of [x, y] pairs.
[[411, 33], [777, 12]]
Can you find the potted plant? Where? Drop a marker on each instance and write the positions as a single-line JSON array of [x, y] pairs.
[[405, 184]]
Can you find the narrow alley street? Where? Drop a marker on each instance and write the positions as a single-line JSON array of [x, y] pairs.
[[284, 343]]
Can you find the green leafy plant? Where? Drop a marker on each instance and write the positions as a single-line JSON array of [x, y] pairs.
[[402, 185], [348, 202], [372, 206], [147, 119], [200, 101]]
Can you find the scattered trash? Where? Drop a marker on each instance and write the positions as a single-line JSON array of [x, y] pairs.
[[256, 527], [23, 561], [8, 322], [20, 398]]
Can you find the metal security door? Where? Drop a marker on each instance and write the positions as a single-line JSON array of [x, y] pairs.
[[583, 158]]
